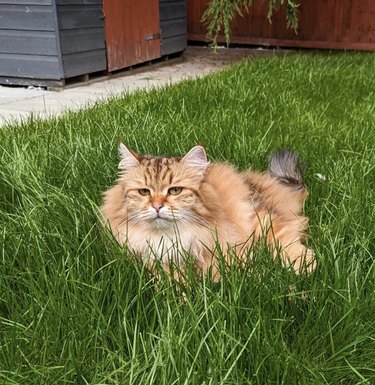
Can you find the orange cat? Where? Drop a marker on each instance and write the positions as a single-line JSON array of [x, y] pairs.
[[165, 207]]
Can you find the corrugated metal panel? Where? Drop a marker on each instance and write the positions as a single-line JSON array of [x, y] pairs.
[[173, 26]]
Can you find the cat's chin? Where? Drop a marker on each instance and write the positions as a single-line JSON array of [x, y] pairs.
[[161, 223]]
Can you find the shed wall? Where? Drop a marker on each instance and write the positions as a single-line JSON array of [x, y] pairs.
[[28, 45], [50, 39], [81, 34], [173, 26], [59, 39]]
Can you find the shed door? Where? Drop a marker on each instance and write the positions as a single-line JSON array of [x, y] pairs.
[[132, 29]]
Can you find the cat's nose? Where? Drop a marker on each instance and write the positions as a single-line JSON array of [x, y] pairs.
[[157, 206]]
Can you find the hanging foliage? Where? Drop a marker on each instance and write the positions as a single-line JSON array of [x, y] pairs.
[[220, 13]]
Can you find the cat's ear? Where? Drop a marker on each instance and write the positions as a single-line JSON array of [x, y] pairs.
[[129, 159], [196, 158]]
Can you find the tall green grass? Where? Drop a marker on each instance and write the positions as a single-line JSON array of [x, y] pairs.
[[75, 308]]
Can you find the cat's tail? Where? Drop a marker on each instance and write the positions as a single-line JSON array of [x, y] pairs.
[[285, 166]]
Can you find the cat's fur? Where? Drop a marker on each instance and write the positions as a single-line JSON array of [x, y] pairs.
[[216, 205]]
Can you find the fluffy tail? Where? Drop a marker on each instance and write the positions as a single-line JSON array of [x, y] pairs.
[[284, 165]]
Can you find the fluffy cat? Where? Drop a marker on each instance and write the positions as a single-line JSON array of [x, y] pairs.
[[165, 207]]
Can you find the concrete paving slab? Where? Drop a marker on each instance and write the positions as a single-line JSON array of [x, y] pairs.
[[13, 94], [17, 103]]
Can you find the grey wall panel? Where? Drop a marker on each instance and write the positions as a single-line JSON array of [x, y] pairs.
[[81, 40], [26, 17], [28, 42], [173, 45], [84, 63], [76, 17], [30, 66], [172, 10], [27, 2], [173, 27], [50, 39], [78, 2]]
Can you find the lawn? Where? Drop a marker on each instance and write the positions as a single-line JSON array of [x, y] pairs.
[[75, 308]]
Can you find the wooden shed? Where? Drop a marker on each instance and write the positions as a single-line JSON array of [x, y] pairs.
[[47, 42], [332, 24], [142, 30], [43, 42]]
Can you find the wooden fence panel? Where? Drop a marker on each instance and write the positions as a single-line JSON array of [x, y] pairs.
[[333, 24]]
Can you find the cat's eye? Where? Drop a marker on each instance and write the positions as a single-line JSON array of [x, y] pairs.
[[174, 190], [144, 191]]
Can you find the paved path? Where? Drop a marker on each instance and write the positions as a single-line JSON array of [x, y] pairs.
[[17, 103]]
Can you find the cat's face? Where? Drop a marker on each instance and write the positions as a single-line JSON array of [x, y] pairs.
[[160, 192]]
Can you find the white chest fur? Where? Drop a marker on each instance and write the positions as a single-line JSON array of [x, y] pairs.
[[169, 244]]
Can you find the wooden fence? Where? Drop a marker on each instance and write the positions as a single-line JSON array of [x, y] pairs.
[[333, 24]]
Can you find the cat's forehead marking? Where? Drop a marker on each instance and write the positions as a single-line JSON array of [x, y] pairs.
[[158, 169]]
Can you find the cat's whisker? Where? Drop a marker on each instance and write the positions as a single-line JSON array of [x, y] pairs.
[[193, 220]]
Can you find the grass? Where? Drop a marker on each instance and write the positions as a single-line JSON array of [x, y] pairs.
[[76, 309]]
